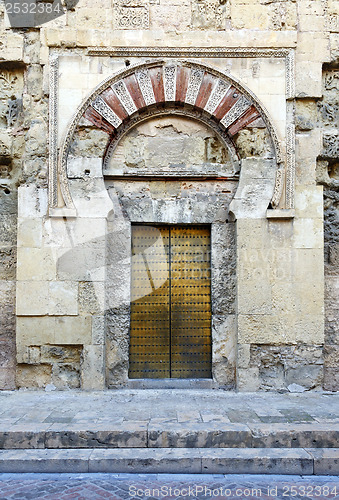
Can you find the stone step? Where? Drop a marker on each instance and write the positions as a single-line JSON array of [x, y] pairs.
[[165, 460], [170, 435]]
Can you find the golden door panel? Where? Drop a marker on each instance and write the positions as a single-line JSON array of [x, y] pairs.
[[170, 302]]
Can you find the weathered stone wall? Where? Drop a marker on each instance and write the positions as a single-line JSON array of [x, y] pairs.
[[60, 324], [328, 176], [23, 158]]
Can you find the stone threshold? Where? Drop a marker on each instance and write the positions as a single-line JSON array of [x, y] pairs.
[[131, 434], [175, 461], [171, 383]]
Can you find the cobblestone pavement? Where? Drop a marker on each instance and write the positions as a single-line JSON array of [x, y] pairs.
[[30, 408], [163, 486]]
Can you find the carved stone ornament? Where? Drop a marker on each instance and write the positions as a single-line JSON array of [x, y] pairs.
[[331, 145], [170, 82], [236, 111], [145, 85], [194, 83], [131, 14], [125, 97], [228, 104], [106, 112], [217, 95]]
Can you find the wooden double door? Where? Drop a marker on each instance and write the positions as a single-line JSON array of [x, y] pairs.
[[170, 331]]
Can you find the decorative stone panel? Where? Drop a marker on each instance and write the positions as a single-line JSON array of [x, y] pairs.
[[210, 14], [131, 14]]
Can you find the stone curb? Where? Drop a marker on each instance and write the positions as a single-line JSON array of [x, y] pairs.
[[194, 461], [171, 435]]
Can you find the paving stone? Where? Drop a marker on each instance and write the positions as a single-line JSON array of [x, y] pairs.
[[212, 417]]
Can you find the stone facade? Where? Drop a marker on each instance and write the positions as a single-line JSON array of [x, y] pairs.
[[221, 112]]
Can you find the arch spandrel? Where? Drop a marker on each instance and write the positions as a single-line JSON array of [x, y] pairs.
[[184, 87]]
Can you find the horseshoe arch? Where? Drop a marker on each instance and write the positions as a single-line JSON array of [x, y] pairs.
[[184, 87]]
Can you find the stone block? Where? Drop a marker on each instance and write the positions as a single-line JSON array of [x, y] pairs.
[[32, 201], [8, 233], [36, 264], [308, 79], [280, 329], [91, 297], [248, 379], [311, 23], [251, 233], [224, 350], [146, 461], [72, 330], [81, 168], [8, 260], [35, 331], [309, 377], [255, 189], [44, 461], [20, 438], [326, 461], [308, 233], [98, 329], [60, 354], [29, 232], [255, 461], [32, 298], [199, 435], [13, 44], [307, 266], [66, 376], [309, 201], [90, 197], [33, 376], [93, 368], [81, 263], [243, 355], [126, 435], [294, 435], [7, 379], [331, 379], [254, 296], [309, 144], [63, 298], [7, 354], [75, 233], [331, 356], [243, 17]]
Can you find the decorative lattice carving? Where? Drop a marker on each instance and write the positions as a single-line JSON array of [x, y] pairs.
[[290, 167], [106, 112], [170, 72], [146, 88], [131, 14], [217, 95], [125, 97], [236, 111], [331, 145], [194, 84]]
